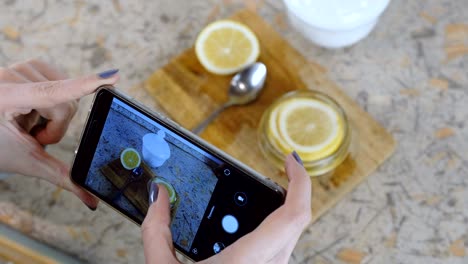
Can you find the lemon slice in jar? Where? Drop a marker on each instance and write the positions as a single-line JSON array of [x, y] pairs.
[[170, 189], [225, 47], [310, 127]]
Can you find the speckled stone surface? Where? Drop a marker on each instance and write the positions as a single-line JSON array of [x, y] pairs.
[[411, 74]]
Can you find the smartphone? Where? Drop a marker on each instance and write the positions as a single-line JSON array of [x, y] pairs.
[[214, 198]]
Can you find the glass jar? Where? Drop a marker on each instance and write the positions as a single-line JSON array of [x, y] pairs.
[[319, 163]]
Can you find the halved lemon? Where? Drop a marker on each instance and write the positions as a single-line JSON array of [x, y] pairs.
[[225, 47], [310, 127], [130, 158]]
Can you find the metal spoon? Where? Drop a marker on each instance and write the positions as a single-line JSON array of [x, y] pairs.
[[244, 88]]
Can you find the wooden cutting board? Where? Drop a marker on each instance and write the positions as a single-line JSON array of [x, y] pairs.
[[136, 192], [188, 94]]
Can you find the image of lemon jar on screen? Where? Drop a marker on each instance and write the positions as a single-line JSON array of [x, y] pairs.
[[312, 124]]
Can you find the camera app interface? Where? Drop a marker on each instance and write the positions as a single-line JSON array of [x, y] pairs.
[[133, 150]]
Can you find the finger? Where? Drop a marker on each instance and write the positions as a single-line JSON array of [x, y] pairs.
[[57, 172], [49, 71], [300, 186], [28, 72], [28, 121], [157, 238], [52, 93], [45, 166], [59, 119], [89, 200], [282, 228], [10, 76], [161, 212]]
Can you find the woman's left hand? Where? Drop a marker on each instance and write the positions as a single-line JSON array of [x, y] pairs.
[[37, 103]]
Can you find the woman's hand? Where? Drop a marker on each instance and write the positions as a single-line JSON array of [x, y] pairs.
[[271, 242], [37, 103]]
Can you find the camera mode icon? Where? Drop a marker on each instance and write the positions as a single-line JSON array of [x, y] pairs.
[[240, 198]]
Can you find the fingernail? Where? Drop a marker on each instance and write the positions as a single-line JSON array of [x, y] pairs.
[[108, 73], [153, 192], [297, 158], [91, 208]]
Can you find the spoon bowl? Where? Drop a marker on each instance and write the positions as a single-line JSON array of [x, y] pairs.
[[244, 88], [247, 84]]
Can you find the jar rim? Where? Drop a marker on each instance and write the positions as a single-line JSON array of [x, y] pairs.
[[312, 166]]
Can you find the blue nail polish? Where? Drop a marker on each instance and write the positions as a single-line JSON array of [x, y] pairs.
[[108, 73], [297, 158], [153, 190]]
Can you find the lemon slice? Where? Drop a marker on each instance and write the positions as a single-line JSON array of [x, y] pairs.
[[225, 47], [308, 126], [130, 158], [273, 132]]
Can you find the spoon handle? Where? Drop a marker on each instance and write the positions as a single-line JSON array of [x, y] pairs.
[[198, 129]]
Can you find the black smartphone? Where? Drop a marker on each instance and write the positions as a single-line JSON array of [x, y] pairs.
[[214, 198]]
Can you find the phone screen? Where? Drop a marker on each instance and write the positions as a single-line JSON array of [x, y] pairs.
[[190, 171], [213, 202]]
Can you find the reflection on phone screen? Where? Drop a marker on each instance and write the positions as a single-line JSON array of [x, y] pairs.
[[134, 150]]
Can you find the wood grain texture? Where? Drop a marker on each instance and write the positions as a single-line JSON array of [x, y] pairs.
[[136, 192], [188, 94], [13, 252]]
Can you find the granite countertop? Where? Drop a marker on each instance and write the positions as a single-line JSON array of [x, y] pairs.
[[411, 74]]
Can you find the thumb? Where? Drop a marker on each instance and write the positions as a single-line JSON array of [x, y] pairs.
[[48, 94], [157, 238]]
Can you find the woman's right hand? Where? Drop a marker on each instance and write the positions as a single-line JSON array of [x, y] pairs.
[[271, 242]]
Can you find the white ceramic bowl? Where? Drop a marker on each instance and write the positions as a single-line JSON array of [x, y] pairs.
[[331, 27]]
